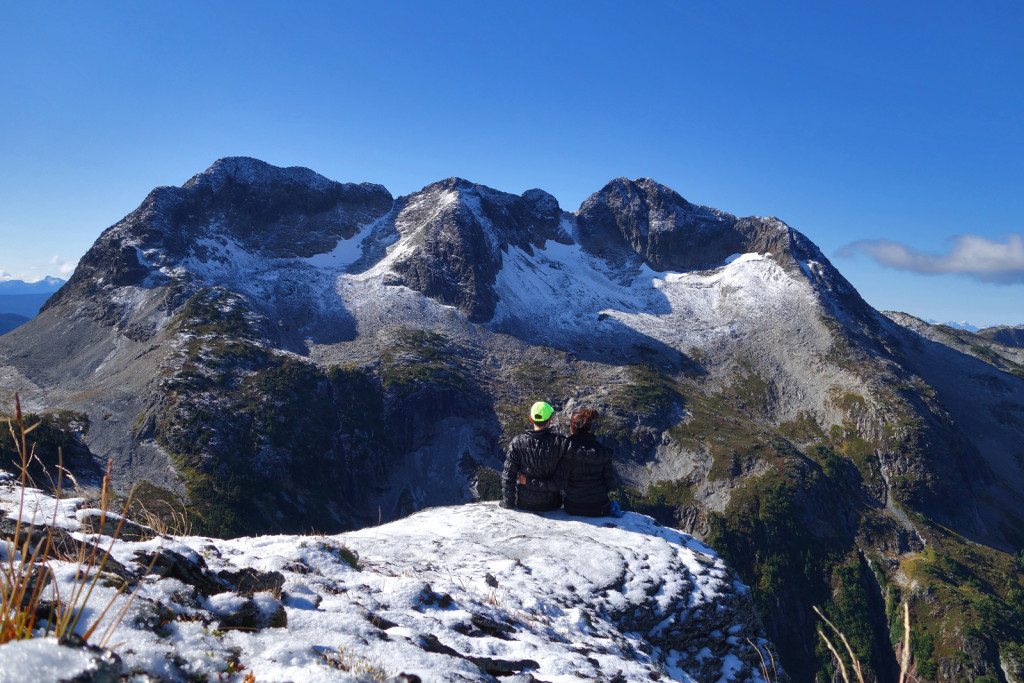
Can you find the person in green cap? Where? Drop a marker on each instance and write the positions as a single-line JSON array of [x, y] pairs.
[[531, 465]]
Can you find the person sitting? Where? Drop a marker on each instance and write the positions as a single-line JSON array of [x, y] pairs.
[[587, 470], [531, 465]]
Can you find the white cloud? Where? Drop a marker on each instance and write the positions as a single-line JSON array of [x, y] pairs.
[[65, 268], [4, 275], [972, 255]]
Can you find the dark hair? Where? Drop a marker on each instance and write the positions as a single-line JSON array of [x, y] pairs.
[[581, 420]]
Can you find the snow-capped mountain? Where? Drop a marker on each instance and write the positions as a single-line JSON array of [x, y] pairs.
[[958, 325], [465, 593], [277, 351]]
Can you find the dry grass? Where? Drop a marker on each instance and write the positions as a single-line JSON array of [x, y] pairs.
[[774, 676], [27, 571], [178, 525], [362, 668], [904, 655]]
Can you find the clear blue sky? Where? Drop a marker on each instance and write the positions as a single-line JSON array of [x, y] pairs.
[[892, 134]]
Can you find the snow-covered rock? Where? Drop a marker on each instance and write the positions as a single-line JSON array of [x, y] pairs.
[[464, 593]]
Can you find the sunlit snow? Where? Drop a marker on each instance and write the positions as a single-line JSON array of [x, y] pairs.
[[440, 594]]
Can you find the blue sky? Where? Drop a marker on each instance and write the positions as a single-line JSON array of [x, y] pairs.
[[892, 134]]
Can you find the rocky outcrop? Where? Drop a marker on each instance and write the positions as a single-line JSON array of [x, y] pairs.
[[455, 233], [450, 594], [658, 226]]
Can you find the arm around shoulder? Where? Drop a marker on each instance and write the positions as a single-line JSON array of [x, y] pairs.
[[509, 477]]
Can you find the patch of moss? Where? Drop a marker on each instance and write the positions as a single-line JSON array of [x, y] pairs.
[[804, 429], [157, 506], [421, 357], [971, 590], [216, 311], [750, 393], [662, 500], [731, 437], [647, 391]]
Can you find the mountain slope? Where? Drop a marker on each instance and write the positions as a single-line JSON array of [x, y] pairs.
[[282, 352]]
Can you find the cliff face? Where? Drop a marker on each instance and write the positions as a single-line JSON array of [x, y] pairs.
[[281, 352]]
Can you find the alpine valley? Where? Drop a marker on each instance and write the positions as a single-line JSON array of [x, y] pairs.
[[266, 351]]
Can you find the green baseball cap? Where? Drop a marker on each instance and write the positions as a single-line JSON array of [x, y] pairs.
[[541, 412]]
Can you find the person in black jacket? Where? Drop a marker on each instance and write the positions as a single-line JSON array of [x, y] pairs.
[[588, 471], [531, 464]]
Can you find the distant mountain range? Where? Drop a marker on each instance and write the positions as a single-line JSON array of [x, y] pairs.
[[21, 300], [272, 351], [48, 285]]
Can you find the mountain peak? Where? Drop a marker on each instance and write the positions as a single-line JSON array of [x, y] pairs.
[[646, 187], [452, 183], [254, 172]]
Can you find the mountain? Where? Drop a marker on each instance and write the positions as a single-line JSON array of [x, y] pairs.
[[270, 351], [961, 325], [47, 285], [1009, 336], [8, 321], [1002, 347], [466, 593]]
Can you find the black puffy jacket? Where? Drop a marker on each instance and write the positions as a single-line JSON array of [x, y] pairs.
[[589, 475], [534, 455]]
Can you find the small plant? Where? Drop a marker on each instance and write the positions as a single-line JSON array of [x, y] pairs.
[[337, 550], [362, 669]]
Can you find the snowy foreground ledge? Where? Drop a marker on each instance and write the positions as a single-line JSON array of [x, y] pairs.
[[464, 593]]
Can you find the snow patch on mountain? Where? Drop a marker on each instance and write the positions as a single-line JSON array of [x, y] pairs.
[[563, 289]]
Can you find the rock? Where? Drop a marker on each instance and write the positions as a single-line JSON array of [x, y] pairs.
[[96, 522], [67, 661], [253, 613], [248, 581], [169, 563]]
